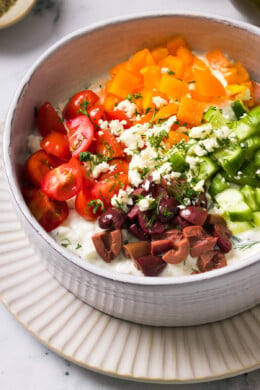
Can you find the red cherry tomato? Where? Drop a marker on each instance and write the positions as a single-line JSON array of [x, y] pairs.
[[57, 145], [49, 213], [37, 166], [75, 103], [48, 120], [88, 208], [81, 134], [63, 182], [107, 188], [95, 113], [28, 192], [118, 166], [120, 115], [107, 145]]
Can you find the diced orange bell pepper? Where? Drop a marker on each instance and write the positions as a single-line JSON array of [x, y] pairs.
[[140, 60], [152, 76], [159, 53], [199, 64], [113, 71], [174, 137], [174, 43], [236, 74], [217, 60], [173, 87], [190, 110], [123, 83], [185, 55], [145, 118], [207, 84], [166, 111], [110, 102], [173, 63], [147, 101]]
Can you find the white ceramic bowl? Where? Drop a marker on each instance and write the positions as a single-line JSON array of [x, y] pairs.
[[74, 62]]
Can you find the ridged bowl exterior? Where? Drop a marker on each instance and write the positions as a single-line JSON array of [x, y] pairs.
[[70, 65]]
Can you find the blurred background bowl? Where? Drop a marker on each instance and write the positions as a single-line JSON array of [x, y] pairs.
[[72, 63], [16, 12], [250, 8]]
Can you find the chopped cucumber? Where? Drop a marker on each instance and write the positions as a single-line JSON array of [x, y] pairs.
[[204, 168], [239, 227], [232, 202], [243, 179], [239, 108], [178, 162], [256, 218], [257, 197], [230, 158], [249, 125], [215, 117], [218, 184], [250, 197], [257, 159]]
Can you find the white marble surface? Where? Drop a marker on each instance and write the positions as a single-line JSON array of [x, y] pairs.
[[24, 362]]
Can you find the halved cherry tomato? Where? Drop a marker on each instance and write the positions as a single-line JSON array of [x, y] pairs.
[[88, 208], [81, 134], [28, 192], [37, 166], [63, 182], [75, 103], [49, 213], [57, 145], [117, 166], [107, 145], [95, 113], [48, 120], [107, 188], [120, 115]]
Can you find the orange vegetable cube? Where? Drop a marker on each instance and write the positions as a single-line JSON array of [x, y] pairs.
[[147, 98], [207, 84], [123, 83], [113, 71], [185, 55], [174, 43], [173, 87], [236, 74], [152, 76], [174, 137], [110, 102], [159, 53], [190, 110], [199, 64], [166, 111], [140, 60], [173, 63], [217, 60]]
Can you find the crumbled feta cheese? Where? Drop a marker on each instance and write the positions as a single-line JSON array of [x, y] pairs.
[[159, 101], [206, 146], [146, 185], [201, 131], [117, 126], [145, 203], [222, 133], [192, 161], [100, 168], [133, 137], [165, 70], [199, 150], [134, 177], [122, 199], [104, 125], [128, 107], [34, 142], [199, 186], [258, 172]]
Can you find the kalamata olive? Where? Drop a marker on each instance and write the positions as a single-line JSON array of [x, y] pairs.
[[108, 244], [150, 265], [167, 209], [157, 190], [132, 215], [194, 215], [210, 260], [144, 220], [202, 200], [157, 228], [112, 218], [139, 233], [179, 222], [200, 241], [223, 234]]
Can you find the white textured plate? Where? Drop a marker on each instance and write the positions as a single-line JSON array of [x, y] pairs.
[[111, 346]]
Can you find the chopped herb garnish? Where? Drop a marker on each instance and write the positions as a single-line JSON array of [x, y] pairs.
[[65, 242], [96, 203], [134, 96], [169, 71], [78, 246], [155, 140]]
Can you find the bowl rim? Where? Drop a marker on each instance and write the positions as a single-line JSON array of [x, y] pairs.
[[16, 193]]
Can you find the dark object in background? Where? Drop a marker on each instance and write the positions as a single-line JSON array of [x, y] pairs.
[[250, 8]]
